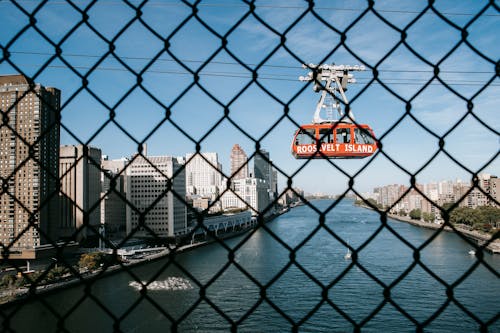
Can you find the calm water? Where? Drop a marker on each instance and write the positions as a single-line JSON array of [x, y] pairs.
[[353, 298]]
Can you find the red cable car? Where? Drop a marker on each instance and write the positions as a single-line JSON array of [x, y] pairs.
[[330, 138], [333, 140]]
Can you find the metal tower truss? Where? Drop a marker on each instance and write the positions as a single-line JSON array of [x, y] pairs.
[[336, 78]]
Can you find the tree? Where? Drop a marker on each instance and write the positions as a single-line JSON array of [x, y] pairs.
[[464, 215], [370, 201], [7, 280], [446, 207], [402, 212], [91, 260], [489, 215], [428, 217], [416, 214], [56, 272]]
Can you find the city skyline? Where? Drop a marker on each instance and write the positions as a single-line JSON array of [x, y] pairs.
[[112, 89], [428, 197]]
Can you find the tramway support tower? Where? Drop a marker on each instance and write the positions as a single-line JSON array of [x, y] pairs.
[[335, 78]]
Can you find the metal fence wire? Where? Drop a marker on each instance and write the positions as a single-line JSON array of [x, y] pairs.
[[28, 12]]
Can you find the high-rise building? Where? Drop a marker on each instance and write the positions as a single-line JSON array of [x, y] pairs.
[[389, 194], [274, 182], [150, 186], [80, 177], [113, 196], [431, 190], [239, 160], [262, 167], [495, 191], [29, 150], [292, 195], [203, 175], [481, 196]]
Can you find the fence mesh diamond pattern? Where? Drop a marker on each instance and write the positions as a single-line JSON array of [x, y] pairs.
[[116, 33]]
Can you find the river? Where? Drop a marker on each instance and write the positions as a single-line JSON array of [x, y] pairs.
[[355, 294]]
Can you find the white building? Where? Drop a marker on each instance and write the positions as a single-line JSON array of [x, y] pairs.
[[431, 190], [150, 186], [253, 193], [203, 175]]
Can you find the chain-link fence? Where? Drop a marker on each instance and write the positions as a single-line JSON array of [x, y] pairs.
[[113, 57]]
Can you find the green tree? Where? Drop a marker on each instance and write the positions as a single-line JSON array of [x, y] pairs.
[[56, 272], [464, 215], [416, 214], [92, 260], [428, 217], [402, 212], [446, 207], [489, 215], [7, 280]]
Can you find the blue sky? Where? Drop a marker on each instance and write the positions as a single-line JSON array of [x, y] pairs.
[[254, 110]]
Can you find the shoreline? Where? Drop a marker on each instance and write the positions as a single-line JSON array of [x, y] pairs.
[[11, 297], [479, 238]]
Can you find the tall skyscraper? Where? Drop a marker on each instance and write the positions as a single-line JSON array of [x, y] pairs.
[[261, 166], [80, 175], [203, 175], [29, 151], [239, 159], [150, 183], [263, 169]]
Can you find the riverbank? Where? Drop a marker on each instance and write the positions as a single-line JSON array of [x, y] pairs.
[[14, 295], [478, 237]]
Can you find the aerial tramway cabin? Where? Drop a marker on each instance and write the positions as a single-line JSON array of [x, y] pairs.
[[327, 138], [333, 140]]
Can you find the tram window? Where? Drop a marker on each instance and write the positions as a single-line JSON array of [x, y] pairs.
[[306, 137], [362, 136], [326, 135], [343, 135]]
